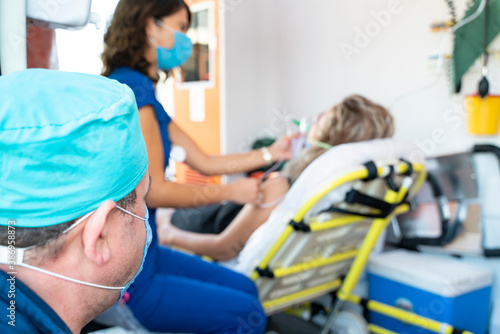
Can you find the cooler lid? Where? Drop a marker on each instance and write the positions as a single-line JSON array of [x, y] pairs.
[[442, 276]]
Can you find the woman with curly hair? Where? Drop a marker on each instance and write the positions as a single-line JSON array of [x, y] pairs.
[[176, 292]]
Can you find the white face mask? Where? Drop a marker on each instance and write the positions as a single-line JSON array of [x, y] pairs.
[[13, 256]]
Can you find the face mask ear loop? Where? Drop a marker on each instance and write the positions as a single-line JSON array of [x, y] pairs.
[[88, 215], [130, 213], [163, 25], [152, 40], [77, 222], [68, 278]]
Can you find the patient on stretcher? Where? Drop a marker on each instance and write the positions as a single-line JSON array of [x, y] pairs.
[[355, 119]]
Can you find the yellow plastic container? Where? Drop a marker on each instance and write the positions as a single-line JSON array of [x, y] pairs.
[[483, 115]]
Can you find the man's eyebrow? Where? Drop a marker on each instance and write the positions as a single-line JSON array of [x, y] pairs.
[[149, 188]]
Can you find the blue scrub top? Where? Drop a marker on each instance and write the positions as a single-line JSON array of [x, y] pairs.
[[32, 314], [144, 92]]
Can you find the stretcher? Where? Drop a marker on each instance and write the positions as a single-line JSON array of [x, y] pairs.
[[328, 250]]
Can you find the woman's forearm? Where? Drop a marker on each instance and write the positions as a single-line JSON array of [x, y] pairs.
[[233, 163], [171, 194], [206, 164], [203, 244], [237, 163], [176, 195]]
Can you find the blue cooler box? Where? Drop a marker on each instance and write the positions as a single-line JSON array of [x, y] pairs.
[[438, 288]]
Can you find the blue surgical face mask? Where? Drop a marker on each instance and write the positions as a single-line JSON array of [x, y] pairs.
[[149, 238], [6, 255], [167, 59]]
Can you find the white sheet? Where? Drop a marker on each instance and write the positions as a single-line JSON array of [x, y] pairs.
[[320, 172]]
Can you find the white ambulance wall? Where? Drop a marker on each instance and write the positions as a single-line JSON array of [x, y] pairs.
[[285, 56]]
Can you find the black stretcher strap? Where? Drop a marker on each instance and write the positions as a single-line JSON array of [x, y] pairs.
[[457, 331], [348, 212], [384, 208], [390, 181], [355, 197], [410, 167], [266, 272], [301, 226], [372, 171]]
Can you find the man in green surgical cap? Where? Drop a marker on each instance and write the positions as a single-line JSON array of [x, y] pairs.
[[73, 181]]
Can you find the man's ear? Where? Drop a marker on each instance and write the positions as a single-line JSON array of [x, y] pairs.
[[95, 243]]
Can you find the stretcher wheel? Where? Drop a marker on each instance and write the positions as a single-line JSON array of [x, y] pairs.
[[349, 323]]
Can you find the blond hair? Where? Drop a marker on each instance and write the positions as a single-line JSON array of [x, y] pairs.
[[355, 119]]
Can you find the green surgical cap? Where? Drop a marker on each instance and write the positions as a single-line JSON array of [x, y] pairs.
[[68, 142]]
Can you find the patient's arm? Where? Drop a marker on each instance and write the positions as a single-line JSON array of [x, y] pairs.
[[230, 242]]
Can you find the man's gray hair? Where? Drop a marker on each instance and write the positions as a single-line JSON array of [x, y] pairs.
[[26, 237]]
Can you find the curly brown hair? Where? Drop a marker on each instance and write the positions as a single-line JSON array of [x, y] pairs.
[[125, 41], [355, 119]]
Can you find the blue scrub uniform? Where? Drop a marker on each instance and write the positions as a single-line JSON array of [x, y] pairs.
[[30, 314], [176, 292]]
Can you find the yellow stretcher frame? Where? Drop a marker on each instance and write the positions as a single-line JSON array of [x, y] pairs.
[[410, 186]]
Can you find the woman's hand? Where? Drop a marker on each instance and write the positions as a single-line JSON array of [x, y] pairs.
[[281, 149], [166, 231], [244, 191]]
